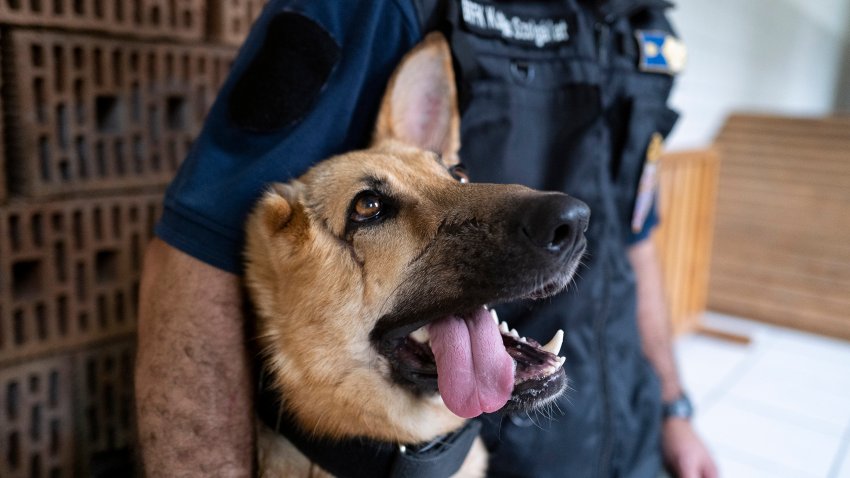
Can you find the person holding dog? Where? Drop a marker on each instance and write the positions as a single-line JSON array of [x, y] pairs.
[[568, 96]]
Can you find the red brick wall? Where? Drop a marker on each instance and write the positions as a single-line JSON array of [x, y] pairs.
[[100, 102]]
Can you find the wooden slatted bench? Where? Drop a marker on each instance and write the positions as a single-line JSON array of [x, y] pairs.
[[687, 185], [782, 240]]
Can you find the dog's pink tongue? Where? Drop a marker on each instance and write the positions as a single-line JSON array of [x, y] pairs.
[[475, 374]]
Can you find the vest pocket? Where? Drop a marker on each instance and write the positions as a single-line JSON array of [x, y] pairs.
[[525, 124], [646, 119]]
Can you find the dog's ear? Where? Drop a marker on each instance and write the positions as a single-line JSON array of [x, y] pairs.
[[277, 206], [420, 104]]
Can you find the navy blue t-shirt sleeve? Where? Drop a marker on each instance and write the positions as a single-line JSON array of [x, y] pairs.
[[306, 85]]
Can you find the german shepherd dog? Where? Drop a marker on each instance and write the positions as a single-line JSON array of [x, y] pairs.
[[371, 277]]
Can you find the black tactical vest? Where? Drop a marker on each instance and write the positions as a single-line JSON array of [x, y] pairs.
[[553, 97]]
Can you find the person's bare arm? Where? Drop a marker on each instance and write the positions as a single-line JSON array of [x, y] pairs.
[[683, 450], [193, 393]]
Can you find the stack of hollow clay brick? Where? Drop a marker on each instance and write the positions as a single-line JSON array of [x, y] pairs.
[[100, 102]]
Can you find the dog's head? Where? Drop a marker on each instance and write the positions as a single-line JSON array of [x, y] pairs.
[[370, 275]]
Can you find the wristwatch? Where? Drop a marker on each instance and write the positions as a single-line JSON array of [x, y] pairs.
[[680, 407]]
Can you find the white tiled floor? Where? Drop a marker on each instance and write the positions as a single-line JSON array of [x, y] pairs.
[[778, 407]]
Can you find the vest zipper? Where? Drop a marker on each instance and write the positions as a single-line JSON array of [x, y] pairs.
[[603, 33], [602, 362]]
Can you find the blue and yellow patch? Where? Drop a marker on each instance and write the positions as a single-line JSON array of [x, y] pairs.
[[660, 52]]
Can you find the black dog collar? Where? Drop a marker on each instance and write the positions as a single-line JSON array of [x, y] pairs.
[[367, 458]]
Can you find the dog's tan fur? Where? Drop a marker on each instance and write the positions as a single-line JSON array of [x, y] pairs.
[[318, 294]]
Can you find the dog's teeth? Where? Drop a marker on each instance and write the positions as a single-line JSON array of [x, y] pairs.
[[554, 345], [421, 335], [561, 361], [495, 317], [514, 333], [503, 328], [523, 340]]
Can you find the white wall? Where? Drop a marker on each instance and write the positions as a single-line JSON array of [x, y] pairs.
[[776, 56]]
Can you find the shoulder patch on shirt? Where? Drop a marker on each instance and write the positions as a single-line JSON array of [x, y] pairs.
[[488, 19], [285, 77], [648, 183], [661, 52]]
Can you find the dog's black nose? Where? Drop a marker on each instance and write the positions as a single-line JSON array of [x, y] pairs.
[[555, 221]]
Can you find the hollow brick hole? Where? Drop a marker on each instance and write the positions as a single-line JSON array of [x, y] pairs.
[[27, 279], [77, 229], [155, 16], [82, 156], [35, 465], [106, 266], [37, 56], [58, 69], [185, 68], [120, 309], [15, 232], [169, 67], [39, 100], [117, 222], [62, 315], [119, 155], [108, 116], [37, 229], [172, 13], [78, 57], [102, 312], [57, 222], [41, 321], [12, 400], [79, 102], [18, 327], [80, 281], [53, 389], [137, 11], [138, 154], [154, 123], [117, 67], [118, 9], [100, 159], [94, 429], [54, 438], [13, 452], [60, 261], [135, 103], [97, 222], [176, 111], [62, 126], [172, 155], [35, 426], [135, 252], [44, 158]]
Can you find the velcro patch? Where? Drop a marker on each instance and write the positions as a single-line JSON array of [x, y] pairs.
[[487, 19], [286, 76], [661, 52]]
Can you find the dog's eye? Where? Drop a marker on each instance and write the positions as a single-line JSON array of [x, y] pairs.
[[368, 205], [459, 172]]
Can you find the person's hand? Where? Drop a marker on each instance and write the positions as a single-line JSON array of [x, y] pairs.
[[684, 452]]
